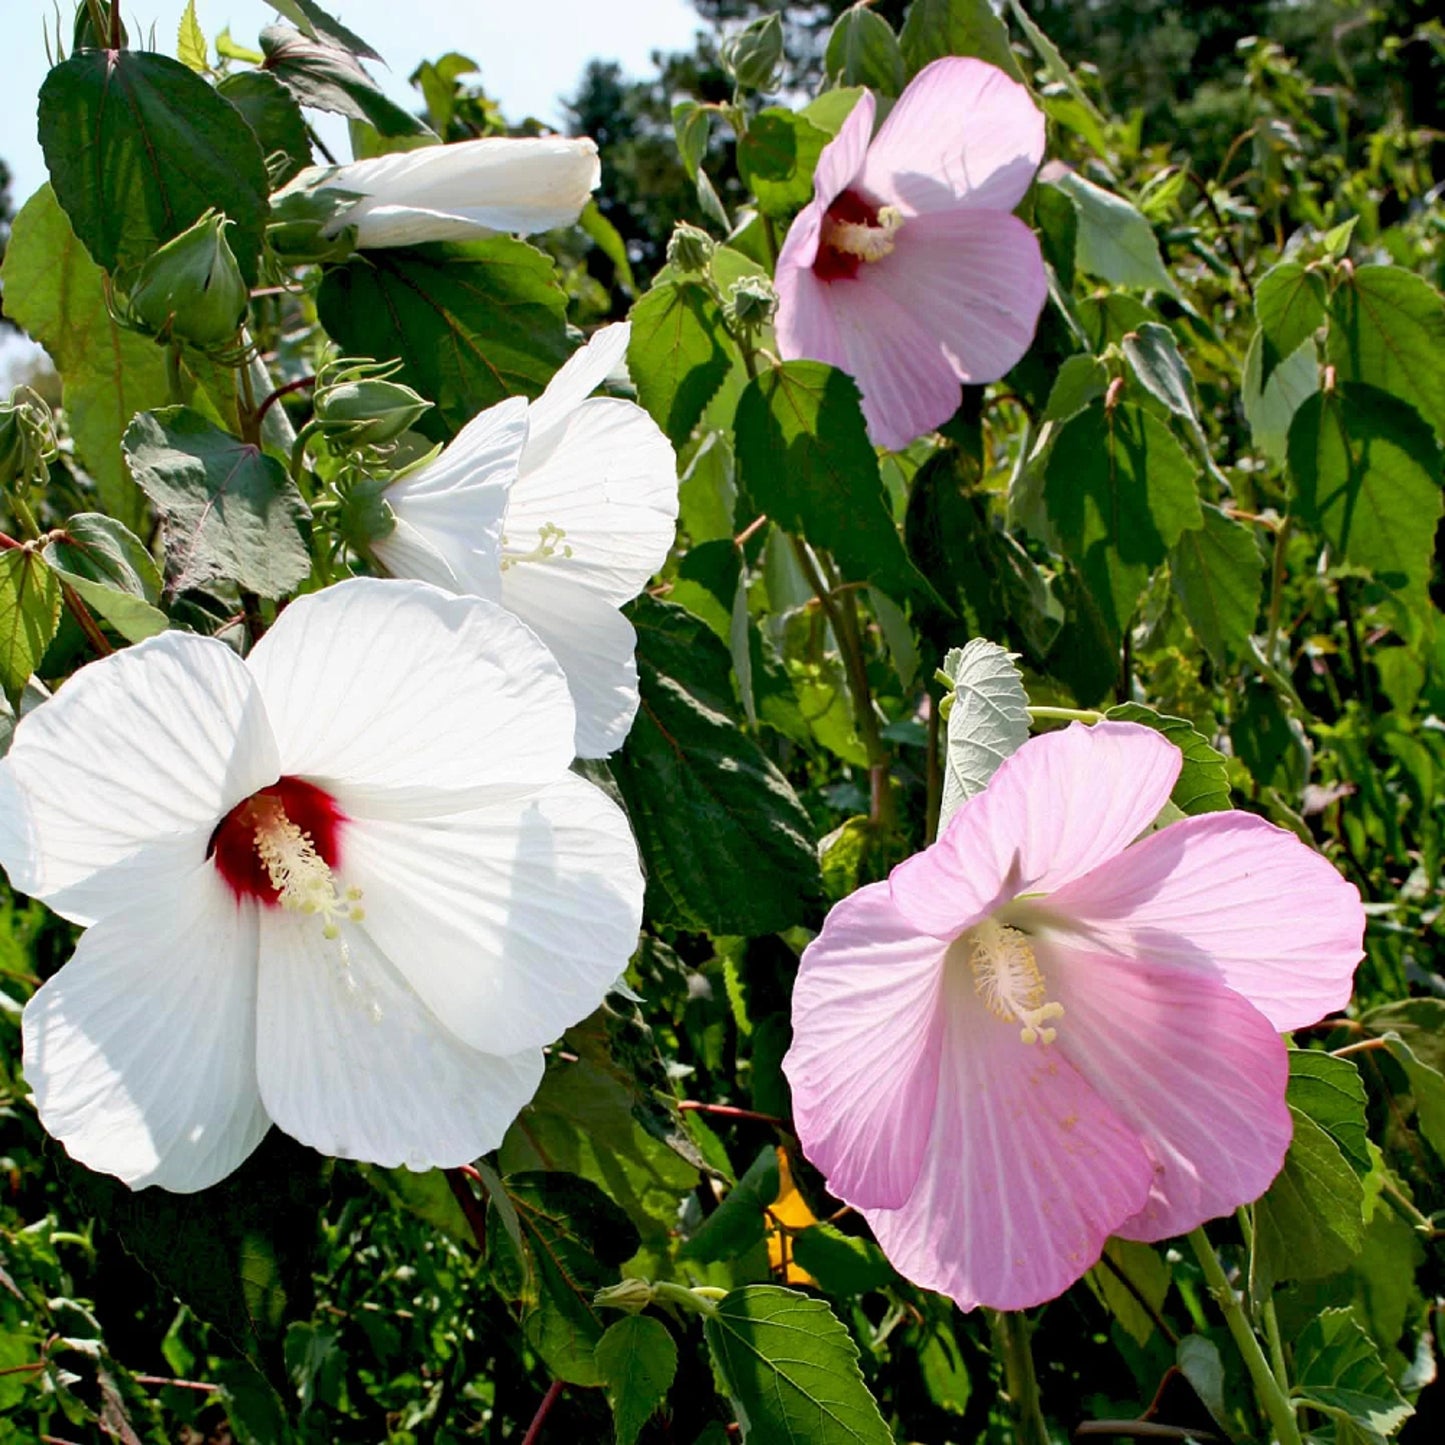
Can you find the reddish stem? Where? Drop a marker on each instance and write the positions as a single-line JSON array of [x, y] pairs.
[[88, 624], [476, 1217], [281, 391], [728, 1111], [205, 1385], [534, 1430]]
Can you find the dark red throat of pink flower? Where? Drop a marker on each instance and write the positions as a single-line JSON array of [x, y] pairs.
[[850, 208], [290, 806]]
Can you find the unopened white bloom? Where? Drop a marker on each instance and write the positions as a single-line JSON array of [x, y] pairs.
[[347, 886], [457, 192], [561, 510]]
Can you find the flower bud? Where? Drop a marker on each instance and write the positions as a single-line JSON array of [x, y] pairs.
[[192, 289], [365, 515], [632, 1295], [356, 403], [752, 301], [690, 249], [753, 55], [27, 438]]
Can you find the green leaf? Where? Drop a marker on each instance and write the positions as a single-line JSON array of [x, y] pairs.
[[574, 1239], [240, 1253], [791, 1370], [330, 78], [109, 567], [843, 1264], [678, 355], [1200, 1363], [139, 148], [1420, 1022], [804, 458], [1153, 355], [1120, 492], [707, 805], [471, 322], [637, 1359], [988, 719], [1218, 575], [738, 1224], [933, 28], [1311, 1222], [1332, 1093], [1270, 407], [1079, 381], [1427, 1084], [691, 124], [863, 50], [582, 1120], [227, 509], [1366, 474], [1203, 785], [1289, 304], [1387, 328], [272, 113], [29, 614], [945, 1376], [55, 291], [191, 41], [309, 17], [426, 1194], [608, 239], [1338, 1370], [776, 158], [1146, 1272], [1115, 242]]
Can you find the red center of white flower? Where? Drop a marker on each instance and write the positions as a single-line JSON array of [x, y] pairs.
[[280, 845], [854, 231]]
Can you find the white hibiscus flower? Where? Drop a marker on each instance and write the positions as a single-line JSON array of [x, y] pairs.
[[561, 510], [347, 886]]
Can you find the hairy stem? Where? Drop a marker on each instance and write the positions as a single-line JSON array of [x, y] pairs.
[[1011, 1333]]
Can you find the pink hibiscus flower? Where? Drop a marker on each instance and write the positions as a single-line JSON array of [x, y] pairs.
[[908, 269], [1040, 1032]]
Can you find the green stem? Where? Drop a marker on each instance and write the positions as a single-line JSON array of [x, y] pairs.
[[24, 515], [1021, 1383], [1065, 714], [1276, 592], [1267, 1313], [1275, 1402], [702, 1300]]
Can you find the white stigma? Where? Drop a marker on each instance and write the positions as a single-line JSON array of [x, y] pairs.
[[859, 238], [1008, 980], [549, 545], [305, 883]]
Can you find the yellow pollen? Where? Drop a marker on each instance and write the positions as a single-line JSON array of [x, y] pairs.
[[305, 883], [549, 545], [1007, 977], [858, 238]]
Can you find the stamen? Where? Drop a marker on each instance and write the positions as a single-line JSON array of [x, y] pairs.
[[1008, 980], [859, 238], [548, 546]]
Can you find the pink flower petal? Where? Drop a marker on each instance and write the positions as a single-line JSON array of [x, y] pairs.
[[1195, 1069], [1232, 896], [806, 325], [963, 133], [1026, 1174], [864, 1061], [1059, 807], [972, 279], [836, 170], [892, 351]]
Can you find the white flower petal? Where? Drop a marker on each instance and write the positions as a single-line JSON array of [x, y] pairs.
[[353, 1063], [394, 691], [585, 370], [449, 513], [511, 921], [609, 481], [141, 1050], [594, 643], [455, 192], [123, 775]]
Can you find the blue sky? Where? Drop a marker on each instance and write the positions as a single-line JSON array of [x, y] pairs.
[[530, 51]]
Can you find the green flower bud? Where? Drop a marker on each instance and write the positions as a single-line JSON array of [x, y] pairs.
[[631, 1295], [690, 249], [753, 55], [752, 301], [192, 289], [27, 438], [356, 404], [365, 516]]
